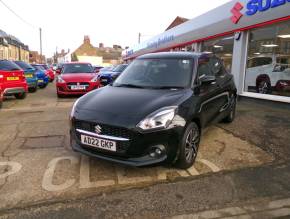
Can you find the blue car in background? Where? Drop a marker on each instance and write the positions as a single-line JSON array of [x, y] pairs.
[[30, 75], [42, 78], [107, 77]]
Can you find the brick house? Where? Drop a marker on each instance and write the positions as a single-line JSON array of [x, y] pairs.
[[97, 55], [35, 57], [12, 48]]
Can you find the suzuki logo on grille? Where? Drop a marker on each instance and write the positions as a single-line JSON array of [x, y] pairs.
[[236, 11], [98, 129]]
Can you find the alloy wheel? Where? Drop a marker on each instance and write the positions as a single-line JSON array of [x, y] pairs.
[[263, 87], [191, 145]]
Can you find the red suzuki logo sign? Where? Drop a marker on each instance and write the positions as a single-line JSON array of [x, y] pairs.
[[236, 11]]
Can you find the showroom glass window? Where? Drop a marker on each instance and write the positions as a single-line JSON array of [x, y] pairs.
[[222, 47], [268, 63]]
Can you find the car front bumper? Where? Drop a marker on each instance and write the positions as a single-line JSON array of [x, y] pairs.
[[63, 88], [137, 151]]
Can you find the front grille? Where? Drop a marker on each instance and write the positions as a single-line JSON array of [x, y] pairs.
[[122, 146]]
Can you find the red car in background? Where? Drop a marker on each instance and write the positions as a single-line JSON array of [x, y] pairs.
[[12, 80], [1, 95], [49, 72], [76, 79]]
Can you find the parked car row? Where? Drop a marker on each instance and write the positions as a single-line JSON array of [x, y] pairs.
[[77, 78], [17, 78]]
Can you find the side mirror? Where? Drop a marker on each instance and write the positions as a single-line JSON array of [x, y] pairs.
[[207, 79]]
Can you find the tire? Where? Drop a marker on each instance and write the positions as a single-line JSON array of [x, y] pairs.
[[20, 96], [42, 86], [32, 89], [189, 146], [232, 114], [264, 87]]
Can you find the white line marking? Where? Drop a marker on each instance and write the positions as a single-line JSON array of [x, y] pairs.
[[85, 182], [15, 167], [49, 172], [210, 164], [192, 171], [124, 179]]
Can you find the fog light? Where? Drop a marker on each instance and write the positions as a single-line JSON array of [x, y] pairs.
[[157, 151]]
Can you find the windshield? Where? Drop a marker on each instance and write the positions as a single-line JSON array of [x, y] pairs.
[[120, 68], [6, 65], [157, 73], [38, 67], [77, 68], [24, 65]]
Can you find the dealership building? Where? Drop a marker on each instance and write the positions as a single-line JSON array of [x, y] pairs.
[[252, 37]]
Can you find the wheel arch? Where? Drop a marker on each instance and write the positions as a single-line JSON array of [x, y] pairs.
[[262, 77]]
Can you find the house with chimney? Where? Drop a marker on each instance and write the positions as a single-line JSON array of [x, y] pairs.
[[100, 55], [12, 48]]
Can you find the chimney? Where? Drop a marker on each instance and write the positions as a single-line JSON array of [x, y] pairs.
[[117, 47], [62, 51], [101, 45], [87, 39]]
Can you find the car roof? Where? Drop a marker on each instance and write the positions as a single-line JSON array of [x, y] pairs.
[[71, 63], [171, 55]]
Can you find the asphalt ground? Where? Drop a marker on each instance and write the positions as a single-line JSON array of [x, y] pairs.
[[41, 177]]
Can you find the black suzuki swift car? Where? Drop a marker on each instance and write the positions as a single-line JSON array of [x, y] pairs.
[[155, 111]]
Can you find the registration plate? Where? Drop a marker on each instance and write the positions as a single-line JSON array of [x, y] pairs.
[[29, 76], [12, 78], [104, 80], [98, 143], [78, 87], [40, 81]]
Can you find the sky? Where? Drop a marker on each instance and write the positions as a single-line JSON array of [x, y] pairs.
[[65, 22]]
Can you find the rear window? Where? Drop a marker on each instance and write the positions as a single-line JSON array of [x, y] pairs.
[[23, 65], [120, 68], [38, 67], [77, 68], [6, 65]]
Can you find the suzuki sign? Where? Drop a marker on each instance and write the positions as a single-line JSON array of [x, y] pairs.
[[255, 6]]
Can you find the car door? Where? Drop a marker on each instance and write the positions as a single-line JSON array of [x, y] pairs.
[[213, 94]]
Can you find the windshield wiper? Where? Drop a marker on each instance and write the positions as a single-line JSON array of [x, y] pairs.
[[129, 85]]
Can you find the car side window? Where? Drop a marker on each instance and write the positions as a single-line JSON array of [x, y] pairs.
[[204, 68], [217, 67], [210, 67]]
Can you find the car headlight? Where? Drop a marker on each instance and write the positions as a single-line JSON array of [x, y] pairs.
[[95, 79], [160, 119], [73, 109], [60, 80]]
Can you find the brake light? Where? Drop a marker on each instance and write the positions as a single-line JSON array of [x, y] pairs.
[[23, 76]]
